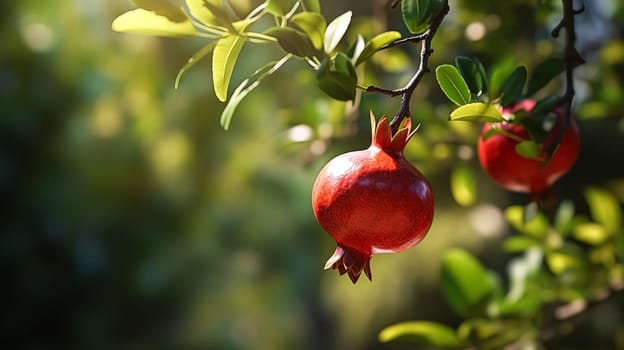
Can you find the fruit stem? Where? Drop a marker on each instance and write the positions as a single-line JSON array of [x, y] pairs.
[[407, 91]]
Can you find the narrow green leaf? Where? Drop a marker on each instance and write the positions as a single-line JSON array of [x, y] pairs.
[[525, 306], [312, 24], [337, 77], [211, 15], [413, 12], [417, 14], [279, 7], [478, 112], [564, 216], [591, 233], [146, 22], [531, 209], [224, 58], [421, 333], [513, 86], [528, 149], [471, 74], [336, 29], [292, 41], [482, 73], [312, 5], [222, 14], [452, 84], [491, 132], [515, 244], [544, 73], [198, 56], [463, 185], [466, 285], [246, 87], [167, 8], [500, 72], [545, 105], [604, 208], [376, 43], [537, 227], [559, 261], [356, 49]]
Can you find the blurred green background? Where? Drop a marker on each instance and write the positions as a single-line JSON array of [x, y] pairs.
[[131, 220]]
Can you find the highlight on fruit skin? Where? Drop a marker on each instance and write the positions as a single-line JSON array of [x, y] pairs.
[[372, 201]]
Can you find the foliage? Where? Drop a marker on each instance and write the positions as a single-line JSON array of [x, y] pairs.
[[565, 267], [131, 220]]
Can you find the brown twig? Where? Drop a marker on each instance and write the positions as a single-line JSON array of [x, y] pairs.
[[423, 68], [572, 59]]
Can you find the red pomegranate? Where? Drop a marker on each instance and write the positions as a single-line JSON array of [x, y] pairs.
[[372, 201], [516, 173]]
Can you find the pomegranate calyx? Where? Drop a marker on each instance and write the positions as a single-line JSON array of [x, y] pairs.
[[382, 134], [350, 261]]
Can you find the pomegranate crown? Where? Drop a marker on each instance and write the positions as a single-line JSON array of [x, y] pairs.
[[383, 138]]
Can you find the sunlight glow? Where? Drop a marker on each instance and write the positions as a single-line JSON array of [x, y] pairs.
[[475, 31]]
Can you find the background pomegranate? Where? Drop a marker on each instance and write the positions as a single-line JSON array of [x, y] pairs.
[[516, 173], [372, 201]]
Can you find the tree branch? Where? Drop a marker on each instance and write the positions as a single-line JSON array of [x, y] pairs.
[[572, 59], [407, 91]]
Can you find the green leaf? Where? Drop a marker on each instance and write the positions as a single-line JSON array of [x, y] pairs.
[[564, 216], [417, 14], [246, 87], [224, 58], [199, 55], [472, 72], [421, 333], [492, 131], [337, 77], [537, 227], [452, 84], [604, 208], [515, 244], [559, 261], [481, 71], [463, 185], [500, 72], [591, 233], [544, 73], [166, 8], [336, 29], [466, 285], [312, 5], [513, 86], [545, 105], [208, 12], [312, 24], [521, 270], [477, 112], [356, 49], [279, 7], [528, 149], [146, 22], [292, 41], [376, 43], [525, 306]]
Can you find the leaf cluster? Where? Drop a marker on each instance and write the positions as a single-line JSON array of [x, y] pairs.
[[566, 263], [484, 98], [298, 28]]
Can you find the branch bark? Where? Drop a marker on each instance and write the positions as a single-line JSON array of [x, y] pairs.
[[407, 91]]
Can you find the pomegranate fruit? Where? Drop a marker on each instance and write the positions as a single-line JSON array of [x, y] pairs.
[[372, 201], [498, 156]]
